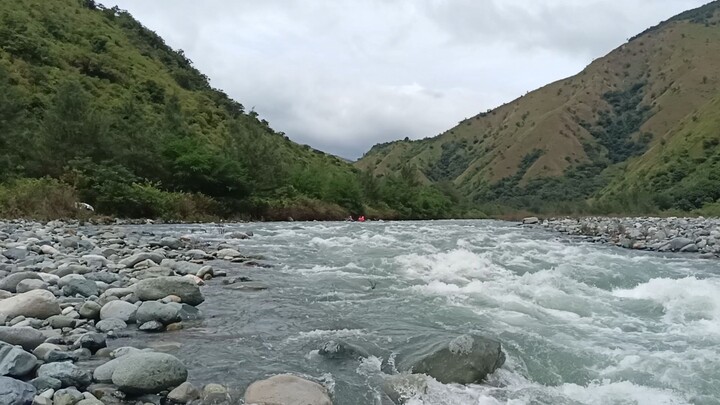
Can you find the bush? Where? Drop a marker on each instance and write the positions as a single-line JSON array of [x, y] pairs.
[[38, 198]]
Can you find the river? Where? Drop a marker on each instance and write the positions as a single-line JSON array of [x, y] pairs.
[[580, 323]]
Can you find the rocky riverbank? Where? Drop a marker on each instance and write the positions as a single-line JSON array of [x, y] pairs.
[[683, 235], [69, 293]]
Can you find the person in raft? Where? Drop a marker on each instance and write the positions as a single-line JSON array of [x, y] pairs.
[[361, 218]]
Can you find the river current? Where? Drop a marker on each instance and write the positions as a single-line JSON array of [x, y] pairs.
[[580, 323]]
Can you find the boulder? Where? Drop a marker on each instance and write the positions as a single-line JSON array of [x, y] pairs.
[[80, 286], [161, 287], [228, 253], [157, 311], [16, 254], [10, 282], [15, 362], [151, 326], [170, 243], [67, 396], [69, 374], [679, 243], [286, 389], [531, 221], [111, 324], [104, 372], [148, 373], [28, 338], [90, 310], [118, 309], [14, 392], [402, 387], [43, 384], [215, 394], [39, 304], [464, 360], [91, 341], [139, 257]]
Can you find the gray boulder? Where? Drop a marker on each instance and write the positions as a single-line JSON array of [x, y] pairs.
[[67, 396], [118, 309], [531, 221], [14, 392], [69, 374], [90, 310], [111, 324], [39, 304], [10, 282], [679, 243], [170, 243], [464, 360], [148, 373], [104, 372], [287, 389], [16, 254], [83, 286], [28, 338], [139, 257], [15, 362], [157, 311], [161, 287], [30, 284], [91, 341], [184, 393], [151, 326], [43, 384]]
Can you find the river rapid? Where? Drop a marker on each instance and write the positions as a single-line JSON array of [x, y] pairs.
[[580, 323]]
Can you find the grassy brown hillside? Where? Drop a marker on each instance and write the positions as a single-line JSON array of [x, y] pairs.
[[606, 132]]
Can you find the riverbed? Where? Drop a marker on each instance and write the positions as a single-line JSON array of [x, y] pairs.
[[580, 323]]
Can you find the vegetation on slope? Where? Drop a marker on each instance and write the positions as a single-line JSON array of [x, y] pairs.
[[94, 106], [622, 136]]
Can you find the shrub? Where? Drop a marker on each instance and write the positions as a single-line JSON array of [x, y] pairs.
[[38, 198]]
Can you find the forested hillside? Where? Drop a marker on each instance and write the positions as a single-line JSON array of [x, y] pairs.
[[96, 107], [637, 131]]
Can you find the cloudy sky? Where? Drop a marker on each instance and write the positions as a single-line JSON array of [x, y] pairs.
[[342, 75]]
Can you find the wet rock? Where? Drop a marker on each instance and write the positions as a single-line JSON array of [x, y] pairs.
[[184, 393], [104, 372], [39, 304], [287, 389], [531, 221], [157, 311], [171, 243], [118, 309], [157, 288], [228, 253], [679, 243], [342, 350], [148, 373], [14, 392], [10, 282], [91, 341], [215, 394], [151, 326], [402, 387], [28, 338], [69, 374], [464, 360], [15, 362], [137, 258], [197, 254], [691, 248]]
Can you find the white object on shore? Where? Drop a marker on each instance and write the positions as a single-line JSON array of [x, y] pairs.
[[84, 206]]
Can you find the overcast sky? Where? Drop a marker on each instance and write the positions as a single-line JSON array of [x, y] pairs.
[[342, 75]]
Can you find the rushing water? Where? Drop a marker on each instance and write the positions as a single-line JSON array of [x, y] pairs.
[[580, 323]]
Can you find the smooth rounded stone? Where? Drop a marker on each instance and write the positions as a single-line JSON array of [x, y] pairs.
[[403, 387], [125, 350], [5, 294], [157, 288], [184, 393], [95, 261], [145, 264], [174, 327], [31, 284], [171, 298], [40, 304], [72, 242], [342, 350], [157, 311], [171, 243], [90, 310], [92, 341], [104, 372], [679, 243], [531, 221], [14, 392], [16, 253], [139, 257], [68, 374], [228, 253], [10, 282], [104, 276], [15, 362], [151, 326], [49, 250], [215, 394], [42, 351], [691, 248], [205, 271], [118, 292], [464, 360], [118, 309], [43, 384], [148, 373], [84, 287], [28, 338], [111, 324], [106, 392], [181, 267], [90, 401], [197, 254], [286, 389], [153, 272], [61, 321], [67, 396]]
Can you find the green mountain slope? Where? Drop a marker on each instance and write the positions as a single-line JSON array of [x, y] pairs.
[[608, 134], [98, 103]]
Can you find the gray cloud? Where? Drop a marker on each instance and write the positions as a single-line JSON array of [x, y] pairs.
[[342, 75]]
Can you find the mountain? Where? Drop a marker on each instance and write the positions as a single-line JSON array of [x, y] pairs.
[[94, 106], [637, 130]]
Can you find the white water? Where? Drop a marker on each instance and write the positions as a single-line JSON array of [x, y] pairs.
[[580, 323]]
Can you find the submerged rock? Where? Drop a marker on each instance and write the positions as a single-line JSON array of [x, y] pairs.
[[287, 389], [342, 350], [464, 360], [403, 387]]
